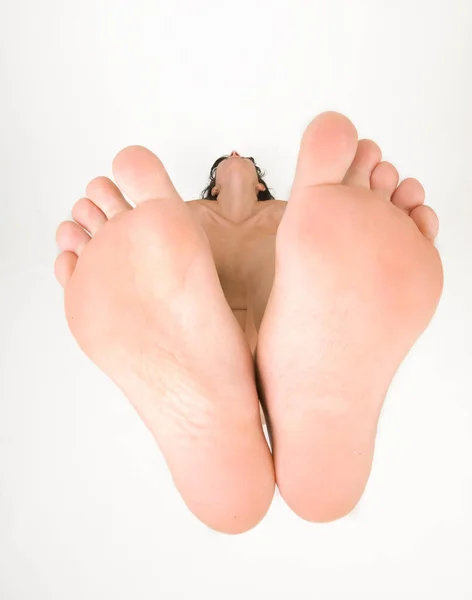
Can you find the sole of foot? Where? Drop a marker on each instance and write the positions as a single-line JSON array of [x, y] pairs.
[[357, 281], [144, 302]]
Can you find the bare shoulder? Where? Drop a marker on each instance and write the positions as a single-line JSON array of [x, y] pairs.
[[269, 211], [276, 207], [201, 207], [279, 204], [195, 203]]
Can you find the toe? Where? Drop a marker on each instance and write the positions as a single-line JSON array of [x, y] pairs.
[[426, 220], [409, 194], [88, 215], [327, 150], [106, 196], [367, 158], [71, 238], [142, 176], [384, 178], [64, 267]]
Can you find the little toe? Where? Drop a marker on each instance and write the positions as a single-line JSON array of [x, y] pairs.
[[327, 150], [142, 176], [367, 158], [71, 237], [64, 267], [87, 214], [409, 194], [384, 178], [426, 220], [105, 194]]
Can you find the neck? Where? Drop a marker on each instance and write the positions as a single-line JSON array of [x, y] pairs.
[[237, 205]]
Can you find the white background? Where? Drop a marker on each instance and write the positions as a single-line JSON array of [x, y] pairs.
[[87, 507]]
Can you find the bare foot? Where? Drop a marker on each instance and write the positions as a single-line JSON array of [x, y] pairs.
[[357, 281], [143, 300]]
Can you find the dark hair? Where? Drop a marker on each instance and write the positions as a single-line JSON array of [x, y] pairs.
[[206, 194]]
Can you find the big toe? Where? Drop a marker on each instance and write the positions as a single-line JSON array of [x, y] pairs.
[[141, 175], [327, 150]]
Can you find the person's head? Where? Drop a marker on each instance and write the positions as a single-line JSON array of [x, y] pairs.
[[234, 168]]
